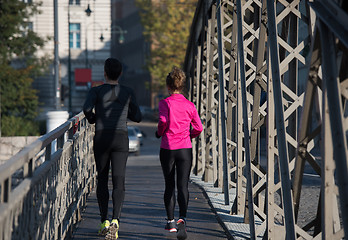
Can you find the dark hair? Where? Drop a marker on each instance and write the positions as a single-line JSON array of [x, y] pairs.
[[112, 68], [176, 79]]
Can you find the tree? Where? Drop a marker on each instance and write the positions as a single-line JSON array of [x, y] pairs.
[[18, 67], [167, 27]]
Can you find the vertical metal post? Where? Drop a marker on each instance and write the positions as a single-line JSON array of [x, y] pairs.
[[305, 123], [232, 105], [271, 153], [257, 116], [87, 62], [56, 56], [231, 96], [0, 110], [198, 103], [328, 169], [245, 120], [209, 172], [241, 196], [86, 49], [211, 99], [5, 190], [69, 63], [201, 99], [334, 101], [259, 57], [222, 105], [293, 77], [281, 131]]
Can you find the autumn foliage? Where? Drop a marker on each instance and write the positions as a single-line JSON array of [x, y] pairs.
[[167, 27]]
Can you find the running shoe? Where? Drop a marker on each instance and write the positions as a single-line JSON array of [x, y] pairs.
[[113, 230], [181, 225], [170, 226], [104, 227]]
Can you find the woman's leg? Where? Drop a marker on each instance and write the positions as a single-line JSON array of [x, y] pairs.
[[167, 163], [101, 148], [183, 166], [119, 156], [118, 164]]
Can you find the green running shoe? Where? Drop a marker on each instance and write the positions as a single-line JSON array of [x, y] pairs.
[[113, 230], [104, 227]]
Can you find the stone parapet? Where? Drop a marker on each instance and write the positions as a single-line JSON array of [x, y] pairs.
[[9, 146]]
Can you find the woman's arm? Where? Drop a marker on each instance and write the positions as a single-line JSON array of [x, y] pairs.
[[196, 123], [134, 113], [89, 105], [163, 120]]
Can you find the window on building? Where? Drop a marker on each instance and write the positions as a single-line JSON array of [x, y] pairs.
[[75, 35], [74, 2], [25, 28], [30, 26]]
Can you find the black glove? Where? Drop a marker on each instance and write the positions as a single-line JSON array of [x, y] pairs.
[[157, 136]]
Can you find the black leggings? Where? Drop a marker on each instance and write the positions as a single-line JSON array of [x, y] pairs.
[[110, 147], [181, 160]]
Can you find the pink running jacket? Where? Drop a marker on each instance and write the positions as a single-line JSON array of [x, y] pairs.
[[176, 116]]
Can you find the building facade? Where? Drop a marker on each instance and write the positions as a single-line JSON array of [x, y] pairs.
[[90, 31], [84, 42]]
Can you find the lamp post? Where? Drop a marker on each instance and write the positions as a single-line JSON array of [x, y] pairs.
[[69, 62], [88, 12], [57, 117], [101, 38], [56, 57]]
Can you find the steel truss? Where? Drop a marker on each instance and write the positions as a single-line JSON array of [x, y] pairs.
[[245, 62]]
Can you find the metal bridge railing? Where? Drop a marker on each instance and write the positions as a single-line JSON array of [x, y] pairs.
[[269, 79], [42, 192]]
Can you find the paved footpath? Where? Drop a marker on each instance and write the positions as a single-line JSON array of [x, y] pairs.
[[143, 214]]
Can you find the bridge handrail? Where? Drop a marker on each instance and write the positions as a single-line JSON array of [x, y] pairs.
[[30, 151], [45, 185]]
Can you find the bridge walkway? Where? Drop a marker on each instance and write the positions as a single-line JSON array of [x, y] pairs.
[[143, 213]]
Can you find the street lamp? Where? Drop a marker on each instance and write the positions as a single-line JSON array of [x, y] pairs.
[[118, 30], [88, 11], [101, 38]]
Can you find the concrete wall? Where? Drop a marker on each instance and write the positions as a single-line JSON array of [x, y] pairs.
[[9, 146]]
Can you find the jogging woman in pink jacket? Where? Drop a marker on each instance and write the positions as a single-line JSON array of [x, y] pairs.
[[178, 124]]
